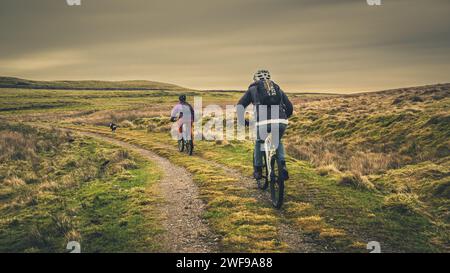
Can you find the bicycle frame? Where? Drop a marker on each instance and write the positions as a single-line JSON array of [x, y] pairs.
[[183, 130]]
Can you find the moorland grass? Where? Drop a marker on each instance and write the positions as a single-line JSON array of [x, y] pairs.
[[363, 167], [57, 188]]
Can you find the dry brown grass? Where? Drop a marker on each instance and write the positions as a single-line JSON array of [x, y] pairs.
[[328, 233], [369, 163], [13, 182], [370, 134], [48, 186], [327, 170], [104, 117], [331, 157], [126, 124], [356, 180], [16, 146], [311, 224]]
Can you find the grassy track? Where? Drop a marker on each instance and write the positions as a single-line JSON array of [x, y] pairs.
[[337, 218]]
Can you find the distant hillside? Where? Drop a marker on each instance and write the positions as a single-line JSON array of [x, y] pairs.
[[440, 88], [393, 142], [412, 124], [10, 82]]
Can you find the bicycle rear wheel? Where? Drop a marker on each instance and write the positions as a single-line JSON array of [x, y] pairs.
[[276, 182], [262, 183], [189, 147]]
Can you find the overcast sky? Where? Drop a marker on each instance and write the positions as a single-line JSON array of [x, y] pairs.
[[308, 45]]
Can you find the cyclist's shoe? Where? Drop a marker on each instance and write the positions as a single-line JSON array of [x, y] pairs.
[[284, 170], [257, 174]]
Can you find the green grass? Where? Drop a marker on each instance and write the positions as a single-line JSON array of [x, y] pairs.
[[72, 197], [119, 215]]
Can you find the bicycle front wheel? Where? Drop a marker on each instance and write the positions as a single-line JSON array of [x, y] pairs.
[[181, 145], [276, 182]]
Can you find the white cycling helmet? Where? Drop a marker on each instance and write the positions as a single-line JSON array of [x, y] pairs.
[[261, 75]]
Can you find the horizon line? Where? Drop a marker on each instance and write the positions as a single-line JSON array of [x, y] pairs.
[[309, 91]]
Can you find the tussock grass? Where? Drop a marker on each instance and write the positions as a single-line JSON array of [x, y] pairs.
[[365, 134], [402, 202], [65, 195], [310, 223], [356, 180], [442, 189], [327, 170], [298, 208], [328, 233], [13, 182]]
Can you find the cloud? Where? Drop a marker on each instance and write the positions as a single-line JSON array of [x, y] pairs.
[[308, 44], [43, 61]]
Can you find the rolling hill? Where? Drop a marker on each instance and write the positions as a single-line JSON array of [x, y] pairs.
[[11, 82]]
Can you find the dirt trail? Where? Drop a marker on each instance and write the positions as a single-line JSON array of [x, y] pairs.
[[286, 233], [182, 210]]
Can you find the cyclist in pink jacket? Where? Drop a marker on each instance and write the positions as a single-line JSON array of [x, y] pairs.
[[183, 114]]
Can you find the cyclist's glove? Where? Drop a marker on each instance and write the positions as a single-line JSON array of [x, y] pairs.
[[173, 119]]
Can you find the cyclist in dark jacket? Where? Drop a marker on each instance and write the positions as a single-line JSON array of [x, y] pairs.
[[266, 118]]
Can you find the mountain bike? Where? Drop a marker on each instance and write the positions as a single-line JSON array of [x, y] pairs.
[[184, 144], [272, 172]]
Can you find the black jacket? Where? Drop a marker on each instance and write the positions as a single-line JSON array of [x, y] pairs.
[[252, 96]]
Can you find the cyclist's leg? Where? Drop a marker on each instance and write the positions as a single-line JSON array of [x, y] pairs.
[[184, 131], [180, 129], [261, 134], [192, 131], [257, 164], [281, 151], [258, 154], [187, 130]]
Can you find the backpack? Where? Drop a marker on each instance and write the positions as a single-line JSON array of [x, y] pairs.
[[269, 93]]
